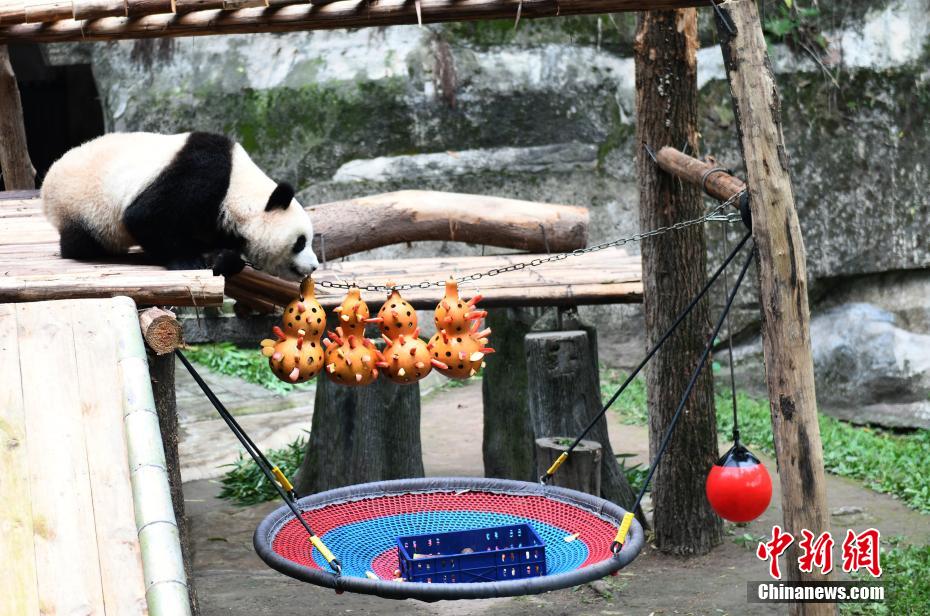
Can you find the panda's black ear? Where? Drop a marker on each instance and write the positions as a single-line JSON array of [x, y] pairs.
[[280, 197]]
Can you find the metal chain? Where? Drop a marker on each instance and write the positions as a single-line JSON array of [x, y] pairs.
[[716, 214]]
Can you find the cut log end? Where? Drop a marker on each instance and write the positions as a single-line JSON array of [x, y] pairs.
[[161, 330]]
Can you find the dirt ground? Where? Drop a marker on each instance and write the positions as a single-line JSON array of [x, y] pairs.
[[231, 580]]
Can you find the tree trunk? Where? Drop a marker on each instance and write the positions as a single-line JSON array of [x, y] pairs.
[[161, 372], [786, 340], [18, 172], [673, 271], [361, 434], [507, 446], [582, 470], [564, 397]]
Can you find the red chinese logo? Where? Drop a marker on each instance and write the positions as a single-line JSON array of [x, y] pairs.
[[862, 552], [771, 550], [817, 552]]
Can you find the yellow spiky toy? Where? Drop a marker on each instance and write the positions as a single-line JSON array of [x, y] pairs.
[[297, 354]]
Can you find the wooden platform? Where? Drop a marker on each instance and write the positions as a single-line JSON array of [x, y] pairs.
[[611, 276], [31, 270], [68, 521]]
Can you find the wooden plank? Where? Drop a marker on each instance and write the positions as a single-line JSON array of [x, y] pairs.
[[193, 288], [335, 15], [66, 555], [18, 585], [98, 379]]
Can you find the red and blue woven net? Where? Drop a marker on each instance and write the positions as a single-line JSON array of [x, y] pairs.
[[360, 525]]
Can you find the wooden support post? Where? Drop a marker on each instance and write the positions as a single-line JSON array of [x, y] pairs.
[[582, 470], [161, 372], [786, 340], [17, 169], [361, 434], [507, 446], [564, 397], [674, 270]]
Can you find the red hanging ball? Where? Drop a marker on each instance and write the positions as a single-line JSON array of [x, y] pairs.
[[739, 487]]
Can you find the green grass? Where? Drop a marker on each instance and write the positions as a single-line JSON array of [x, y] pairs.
[[884, 461], [244, 483], [906, 580], [247, 364]]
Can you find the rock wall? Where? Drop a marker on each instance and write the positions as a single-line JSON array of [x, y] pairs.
[[546, 112]]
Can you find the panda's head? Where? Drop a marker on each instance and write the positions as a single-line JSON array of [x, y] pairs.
[[279, 242]]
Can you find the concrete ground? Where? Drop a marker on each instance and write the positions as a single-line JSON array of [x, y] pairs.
[[232, 580]]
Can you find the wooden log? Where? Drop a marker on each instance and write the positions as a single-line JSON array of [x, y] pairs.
[[582, 470], [507, 444], [18, 172], [674, 270], [43, 11], [718, 184], [97, 9], [160, 330], [335, 15], [161, 373], [361, 434], [786, 339], [12, 13], [564, 397], [361, 224], [139, 8]]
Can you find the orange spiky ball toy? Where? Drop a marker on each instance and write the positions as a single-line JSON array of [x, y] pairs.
[[406, 358], [350, 357], [458, 343], [297, 355]]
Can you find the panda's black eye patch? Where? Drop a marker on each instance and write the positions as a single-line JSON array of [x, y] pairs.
[[300, 244]]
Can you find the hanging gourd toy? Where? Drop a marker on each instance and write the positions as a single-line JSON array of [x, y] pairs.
[[297, 355], [738, 486], [406, 359], [458, 344], [351, 358]]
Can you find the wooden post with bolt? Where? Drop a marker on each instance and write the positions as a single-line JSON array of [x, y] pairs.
[[786, 340]]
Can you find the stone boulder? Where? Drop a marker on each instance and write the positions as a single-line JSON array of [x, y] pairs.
[[870, 370]]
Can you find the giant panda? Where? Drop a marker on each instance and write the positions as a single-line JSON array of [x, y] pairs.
[[179, 197]]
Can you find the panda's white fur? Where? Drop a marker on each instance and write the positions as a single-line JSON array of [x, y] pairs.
[[89, 190]]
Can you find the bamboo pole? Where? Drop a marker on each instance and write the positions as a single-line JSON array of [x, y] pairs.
[[18, 172], [334, 15], [786, 340]]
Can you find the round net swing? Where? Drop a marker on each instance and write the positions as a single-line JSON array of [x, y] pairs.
[[361, 524]]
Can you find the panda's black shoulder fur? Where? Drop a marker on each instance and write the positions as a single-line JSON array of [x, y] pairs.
[[177, 216]]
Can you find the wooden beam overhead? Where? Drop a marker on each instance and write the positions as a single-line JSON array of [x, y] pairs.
[[332, 15]]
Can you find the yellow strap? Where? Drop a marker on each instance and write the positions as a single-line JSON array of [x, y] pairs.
[[624, 528], [558, 462], [282, 479], [318, 544]]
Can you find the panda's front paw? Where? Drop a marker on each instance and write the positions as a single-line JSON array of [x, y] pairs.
[[228, 263]]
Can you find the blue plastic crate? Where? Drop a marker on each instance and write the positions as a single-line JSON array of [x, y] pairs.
[[481, 555]]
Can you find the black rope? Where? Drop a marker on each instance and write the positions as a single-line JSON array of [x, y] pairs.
[[668, 333], [726, 290], [231, 422], [694, 377], [251, 448]]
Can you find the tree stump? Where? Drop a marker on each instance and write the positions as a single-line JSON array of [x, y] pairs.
[[582, 470], [564, 397], [361, 434], [507, 445]]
